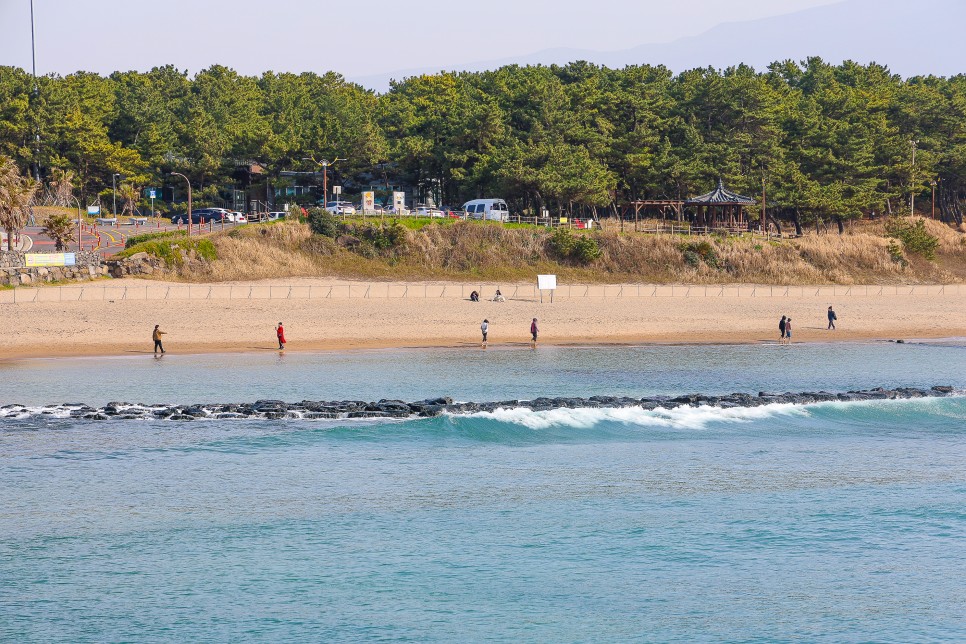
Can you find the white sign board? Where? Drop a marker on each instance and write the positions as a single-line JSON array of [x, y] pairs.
[[93, 210], [399, 201], [368, 201], [337, 190], [547, 282]]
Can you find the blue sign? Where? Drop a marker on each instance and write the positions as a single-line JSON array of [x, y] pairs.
[[151, 193]]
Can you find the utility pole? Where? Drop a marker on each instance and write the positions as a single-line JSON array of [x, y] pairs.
[[33, 62], [933, 184], [764, 225], [912, 181]]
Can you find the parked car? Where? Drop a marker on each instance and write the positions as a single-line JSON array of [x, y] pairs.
[[340, 208], [426, 211], [237, 217], [487, 209], [202, 215], [275, 216]]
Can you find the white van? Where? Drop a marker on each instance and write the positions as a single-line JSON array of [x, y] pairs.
[[488, 209]]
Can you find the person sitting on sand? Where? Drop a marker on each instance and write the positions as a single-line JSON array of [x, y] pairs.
[[157, 338], [499, 296], [474, 297], [484, 328], [831, 319], [280, 333]]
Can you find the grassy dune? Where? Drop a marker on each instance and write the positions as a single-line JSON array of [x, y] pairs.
[[466, 250]]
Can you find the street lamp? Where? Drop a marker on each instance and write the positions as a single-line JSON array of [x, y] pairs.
[[79, 229], [325, 175], [178, 174], [933, 184], [114, 192]]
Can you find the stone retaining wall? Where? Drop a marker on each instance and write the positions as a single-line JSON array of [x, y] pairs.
[[14, 271]]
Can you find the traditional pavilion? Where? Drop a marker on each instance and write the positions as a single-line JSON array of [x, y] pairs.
[[720, 208]]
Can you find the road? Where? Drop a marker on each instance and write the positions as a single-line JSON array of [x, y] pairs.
[[107, 240]]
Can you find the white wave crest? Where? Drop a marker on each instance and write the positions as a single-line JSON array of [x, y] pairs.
[[685, 417]]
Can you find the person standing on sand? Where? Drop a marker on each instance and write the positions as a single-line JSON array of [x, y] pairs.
[[831, 319], [157, 338], [484, 328], [781, 330], [280, 333], [533, 331], [788, 331]]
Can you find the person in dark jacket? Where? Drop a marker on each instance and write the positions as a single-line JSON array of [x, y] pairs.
[[534, 330], [781, 330], [831, 319]]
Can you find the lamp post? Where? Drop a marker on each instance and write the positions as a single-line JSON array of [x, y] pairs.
[[114, 192], [325, 175], [912, 182], [178, 174], [79, 229]]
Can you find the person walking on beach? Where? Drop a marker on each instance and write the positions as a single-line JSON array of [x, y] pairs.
[[831, 319], [157, 338], [533, 331], [280, 333], [781, 330], [788, 331], [484, 328]]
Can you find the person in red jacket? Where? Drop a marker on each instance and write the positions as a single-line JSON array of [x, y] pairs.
[[280, 332], [534, 330]]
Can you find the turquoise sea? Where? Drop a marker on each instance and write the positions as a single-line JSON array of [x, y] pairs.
[[834, 522]]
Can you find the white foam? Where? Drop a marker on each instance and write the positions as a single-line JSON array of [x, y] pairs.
[[685, 417]]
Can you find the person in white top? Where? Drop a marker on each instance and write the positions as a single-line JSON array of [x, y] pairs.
[[485, 327]]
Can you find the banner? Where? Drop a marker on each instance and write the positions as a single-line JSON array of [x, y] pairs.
[[51, 259], [368, 201]]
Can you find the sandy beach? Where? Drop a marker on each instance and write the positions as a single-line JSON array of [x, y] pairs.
[[218, 324]]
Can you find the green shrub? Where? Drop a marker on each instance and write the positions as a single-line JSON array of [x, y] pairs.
[[700, 251], [170, 250], [562, 243], [586, 249], [323, 222], [914, 236], [134, 240], [582, 249], [895, 252]]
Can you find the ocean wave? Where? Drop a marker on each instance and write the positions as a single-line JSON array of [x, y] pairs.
[[686, 417]]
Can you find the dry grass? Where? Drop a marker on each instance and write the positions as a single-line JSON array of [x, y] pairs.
[[463, 251]]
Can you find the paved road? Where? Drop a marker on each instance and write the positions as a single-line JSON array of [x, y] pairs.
[[107, 240]]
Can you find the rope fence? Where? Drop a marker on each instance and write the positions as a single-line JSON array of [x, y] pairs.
[[384, 290]]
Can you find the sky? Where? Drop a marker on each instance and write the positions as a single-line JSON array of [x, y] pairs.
[[353, 39]]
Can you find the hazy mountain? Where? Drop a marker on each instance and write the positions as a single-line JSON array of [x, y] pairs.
[[911, 38]]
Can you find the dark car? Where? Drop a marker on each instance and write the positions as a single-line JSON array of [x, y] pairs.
[[198, 216]]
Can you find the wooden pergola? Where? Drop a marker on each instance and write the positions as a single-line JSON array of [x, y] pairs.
[[665, 205], [720, 208]]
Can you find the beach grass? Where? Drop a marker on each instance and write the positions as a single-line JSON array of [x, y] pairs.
[[434, 249]]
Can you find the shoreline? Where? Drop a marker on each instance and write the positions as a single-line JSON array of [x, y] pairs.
[[204, 349], [206, 326]]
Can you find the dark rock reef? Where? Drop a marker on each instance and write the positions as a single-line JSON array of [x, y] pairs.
[[316, 410]]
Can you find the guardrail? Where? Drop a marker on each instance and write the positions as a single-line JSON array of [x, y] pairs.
[[394, 290]]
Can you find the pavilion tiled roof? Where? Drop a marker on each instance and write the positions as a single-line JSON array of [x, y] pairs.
[[720, 196]]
